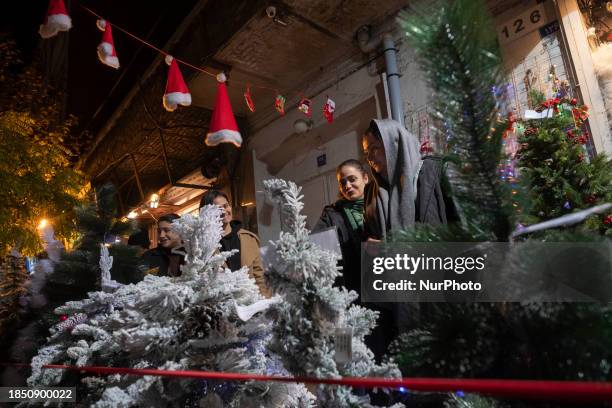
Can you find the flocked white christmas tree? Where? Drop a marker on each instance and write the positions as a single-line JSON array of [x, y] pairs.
[[317, 331], [207, 319]]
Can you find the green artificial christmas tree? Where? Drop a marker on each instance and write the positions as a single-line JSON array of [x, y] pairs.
[[78, 271], [554, 163]]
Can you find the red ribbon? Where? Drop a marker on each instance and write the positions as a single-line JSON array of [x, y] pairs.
[[575, 391]]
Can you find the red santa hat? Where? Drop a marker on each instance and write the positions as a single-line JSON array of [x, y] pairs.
[[56, 20], [223, 127], [176, 90], [106, 49]]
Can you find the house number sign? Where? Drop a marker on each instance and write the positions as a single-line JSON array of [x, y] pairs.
[[522, 24]]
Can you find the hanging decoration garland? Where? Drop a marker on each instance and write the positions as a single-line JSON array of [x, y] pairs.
[[176, 92]]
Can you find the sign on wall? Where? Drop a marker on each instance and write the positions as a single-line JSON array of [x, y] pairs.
[[522, 24]]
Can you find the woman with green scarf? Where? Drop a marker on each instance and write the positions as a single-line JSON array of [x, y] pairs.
[[346, 215]]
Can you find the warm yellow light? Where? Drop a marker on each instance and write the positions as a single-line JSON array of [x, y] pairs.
[[154, 203], [249, 204], [609, 6], [132, 215], [43, 223]]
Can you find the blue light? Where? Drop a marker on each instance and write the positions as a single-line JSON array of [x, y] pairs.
[[403, 390], [460, 394]]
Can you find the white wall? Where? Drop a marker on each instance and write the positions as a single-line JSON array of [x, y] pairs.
[[358, 99]]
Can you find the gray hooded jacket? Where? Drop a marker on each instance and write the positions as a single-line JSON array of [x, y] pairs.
[[414, 191]]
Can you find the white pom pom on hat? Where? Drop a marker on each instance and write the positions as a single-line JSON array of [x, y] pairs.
[[169, 59], [221, 77], [101, 24]]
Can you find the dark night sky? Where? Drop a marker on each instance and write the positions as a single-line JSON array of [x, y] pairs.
[[90, 83]]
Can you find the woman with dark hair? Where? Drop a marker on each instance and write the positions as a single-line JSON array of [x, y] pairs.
[[407, 189], [346, 215], [236, 237]]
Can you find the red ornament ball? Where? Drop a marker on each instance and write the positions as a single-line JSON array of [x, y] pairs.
[[63, 318], [591, 199], [608, 220], [574, 102]]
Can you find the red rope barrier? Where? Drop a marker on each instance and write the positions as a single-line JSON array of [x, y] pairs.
[[574, 391]]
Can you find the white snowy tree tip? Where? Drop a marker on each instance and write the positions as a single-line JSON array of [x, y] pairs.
[[210, 210], [221, 77], [169, 58], [101, 24]]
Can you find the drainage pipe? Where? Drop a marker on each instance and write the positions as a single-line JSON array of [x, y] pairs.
[[368, 42], [393, 76]]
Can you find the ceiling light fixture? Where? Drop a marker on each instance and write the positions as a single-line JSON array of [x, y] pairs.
[[154, 203]]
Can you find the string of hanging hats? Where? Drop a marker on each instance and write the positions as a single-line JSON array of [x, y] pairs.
[[223, 127]]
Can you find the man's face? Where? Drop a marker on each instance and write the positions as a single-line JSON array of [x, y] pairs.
[[222, 203], [167, 237]]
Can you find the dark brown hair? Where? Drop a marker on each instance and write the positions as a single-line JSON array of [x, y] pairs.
[[209, 197], [169, 218], [372, 226], [352, 163], [371, 222]]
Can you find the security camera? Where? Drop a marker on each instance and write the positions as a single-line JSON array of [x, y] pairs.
[[271, 11]]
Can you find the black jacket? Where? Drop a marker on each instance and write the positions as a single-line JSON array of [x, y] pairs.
[[162, 262], [350, 245], [434, 204]]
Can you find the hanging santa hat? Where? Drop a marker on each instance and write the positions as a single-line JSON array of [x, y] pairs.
[[106, 49], [56, 20], [176, 90], [223, 127]]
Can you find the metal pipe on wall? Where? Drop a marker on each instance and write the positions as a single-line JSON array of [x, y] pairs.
[[368, 42], [393, 81]]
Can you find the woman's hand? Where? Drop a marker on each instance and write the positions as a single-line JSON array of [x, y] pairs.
[[370, 239]]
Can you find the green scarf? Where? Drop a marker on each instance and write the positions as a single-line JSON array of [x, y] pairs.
[[353, 211]]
